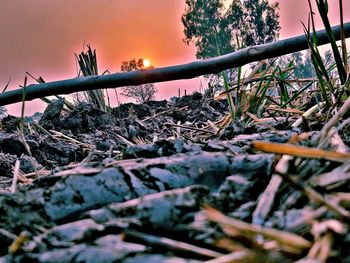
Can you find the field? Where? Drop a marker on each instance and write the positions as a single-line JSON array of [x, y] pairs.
[[258, 172]]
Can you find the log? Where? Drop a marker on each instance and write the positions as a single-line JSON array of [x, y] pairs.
[[184, 71]]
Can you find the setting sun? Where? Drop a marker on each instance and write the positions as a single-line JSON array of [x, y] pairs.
[[146, 63]]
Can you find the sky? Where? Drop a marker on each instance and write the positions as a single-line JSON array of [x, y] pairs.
[[41, 36]]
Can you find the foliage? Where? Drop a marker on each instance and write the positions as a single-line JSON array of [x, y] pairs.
[[208, 24], [141, 93], [261, 24], [205, 24]]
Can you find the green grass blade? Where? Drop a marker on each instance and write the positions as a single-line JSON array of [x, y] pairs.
[[323, 10]]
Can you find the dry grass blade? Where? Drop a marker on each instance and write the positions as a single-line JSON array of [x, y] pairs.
[[41, 129], [331, 180], [78, 170], [336, 142], [7, 234], [237, 256], [212, 126], [267, 120], [15, 176], [163, 112], [295, 111], [19, 242], [21, 124], [40, 80], [287, 240], [333, 121], [6, 86], [88, 67], [23, 179], [225, 121], [308, 113], [124, 140], [323, 232], [189, 128], [57, 134], [317, 197], [171, 244], [37, 174], [300, 151], [320, 250], [266, 200], [139, 140]]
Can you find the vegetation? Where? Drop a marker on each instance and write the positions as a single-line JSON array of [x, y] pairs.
[[289, 81], [88, 66], [141, 93], [216, 29], [209, 22], [331, 89], [288, 206]]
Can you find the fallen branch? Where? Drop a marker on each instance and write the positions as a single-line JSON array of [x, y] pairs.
[[185, 71]]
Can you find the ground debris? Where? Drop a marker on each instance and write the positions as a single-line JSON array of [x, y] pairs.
[[169, 182]]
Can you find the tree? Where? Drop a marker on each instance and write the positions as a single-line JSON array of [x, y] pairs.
[[302, 64], [261, 24], [303, 67], [131, 65], [206, 26], [141, 93], [216, 29]]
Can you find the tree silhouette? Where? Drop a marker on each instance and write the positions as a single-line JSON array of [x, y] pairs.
[[132, 64], [141, 93]]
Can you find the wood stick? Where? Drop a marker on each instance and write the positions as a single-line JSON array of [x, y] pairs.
[[184, 71]]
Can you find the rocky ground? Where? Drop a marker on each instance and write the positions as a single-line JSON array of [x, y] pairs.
[[169, 181]]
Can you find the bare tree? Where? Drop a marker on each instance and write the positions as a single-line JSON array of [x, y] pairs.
[[141, 93]]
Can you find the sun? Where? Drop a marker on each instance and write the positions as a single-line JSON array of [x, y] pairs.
[[146, 63]]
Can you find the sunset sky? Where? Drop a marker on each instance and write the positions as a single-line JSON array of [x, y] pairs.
[[41, 36]]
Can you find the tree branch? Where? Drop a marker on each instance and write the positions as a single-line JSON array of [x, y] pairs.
[[185, 71]]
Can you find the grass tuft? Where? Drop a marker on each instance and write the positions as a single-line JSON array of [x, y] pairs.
[[88, 67]]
